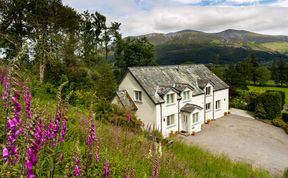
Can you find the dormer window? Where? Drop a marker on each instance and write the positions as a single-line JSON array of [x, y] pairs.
[[138, 96], [208, 91], [170, 98], [186, 95]]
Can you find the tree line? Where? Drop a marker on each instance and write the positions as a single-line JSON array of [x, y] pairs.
[[63, 44], [251, 71]]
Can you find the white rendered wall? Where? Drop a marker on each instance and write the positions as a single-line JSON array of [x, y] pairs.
[[223, 96], [169, 109], [209, 99]]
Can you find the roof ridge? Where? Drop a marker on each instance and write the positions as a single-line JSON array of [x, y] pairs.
[[166, 66]]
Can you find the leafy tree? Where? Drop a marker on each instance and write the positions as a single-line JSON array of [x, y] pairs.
[[106, 82], [263, 74], [216, 68], [280, 71], [283, 71], [275, 72], [248, 68], [133, 52], [234, 78]]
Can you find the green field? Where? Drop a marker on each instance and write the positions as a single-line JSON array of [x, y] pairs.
[[281, 47], [264, 88]]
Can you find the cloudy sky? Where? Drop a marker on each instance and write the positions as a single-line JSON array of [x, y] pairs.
[[139, 17]]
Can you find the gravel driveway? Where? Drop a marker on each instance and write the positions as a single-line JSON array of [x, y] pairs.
[[247, 140]]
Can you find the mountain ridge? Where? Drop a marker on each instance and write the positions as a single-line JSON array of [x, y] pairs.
[[201, 47]]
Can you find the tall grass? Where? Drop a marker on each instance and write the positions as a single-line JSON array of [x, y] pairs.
[[205, 164]]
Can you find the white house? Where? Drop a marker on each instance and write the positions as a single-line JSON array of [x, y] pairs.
[[173, 98]]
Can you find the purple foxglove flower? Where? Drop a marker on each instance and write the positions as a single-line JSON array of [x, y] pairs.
[[5, 152], [62, 157], [11, 124], [129, 116], [19, 132], [11, 138], [98, 152], [91, 139], [155, 173], [107, 169], [77, 171], [64, 130], [27, 98], [6, 92], [29, 165]]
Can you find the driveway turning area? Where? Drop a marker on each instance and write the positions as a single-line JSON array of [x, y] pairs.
[[246, 140]]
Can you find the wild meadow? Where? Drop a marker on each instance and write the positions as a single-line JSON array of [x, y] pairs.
[[47, 137]]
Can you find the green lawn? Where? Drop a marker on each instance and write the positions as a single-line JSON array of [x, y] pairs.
[[264, 88]]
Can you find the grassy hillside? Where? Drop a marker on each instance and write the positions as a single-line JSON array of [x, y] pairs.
[[129, 151], [232, 45], [281, 47]]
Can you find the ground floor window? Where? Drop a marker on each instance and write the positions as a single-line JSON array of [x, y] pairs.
[[208, 106], [218, 106], [170, 120], [195, 117]]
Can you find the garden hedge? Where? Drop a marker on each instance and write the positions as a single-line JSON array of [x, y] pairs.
[[268, 105]]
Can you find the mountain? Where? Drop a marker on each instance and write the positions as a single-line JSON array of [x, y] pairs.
[[200, 47]]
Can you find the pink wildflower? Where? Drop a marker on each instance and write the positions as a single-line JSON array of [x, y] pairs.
[[155, 173], [107, 169], [129, 116]]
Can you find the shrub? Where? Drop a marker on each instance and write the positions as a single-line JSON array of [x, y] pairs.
[[114, 114], [285, 116], [279, 123], [238, 102], [268, 105], [282, 93], [251, 97]]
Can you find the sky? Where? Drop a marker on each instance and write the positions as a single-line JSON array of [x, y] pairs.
[[139, 17]]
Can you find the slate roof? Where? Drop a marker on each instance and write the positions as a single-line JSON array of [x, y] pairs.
[[126, 100], [190, 108], [179, 77]]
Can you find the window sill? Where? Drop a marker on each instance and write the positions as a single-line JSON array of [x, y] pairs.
[[170, 104], [186, 101], [219, 109], [196, 123], [170, 126], [137, 101], [208, 110], [208, 95]]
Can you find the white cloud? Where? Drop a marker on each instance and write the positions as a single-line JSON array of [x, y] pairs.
[[209, 19], [243, 1], [161, 18], [280, 3], [187, 1]]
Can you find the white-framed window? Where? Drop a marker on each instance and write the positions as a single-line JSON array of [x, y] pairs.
[[186, 95], [208, 91], [138, 96], [170, 120], [195, 117], [218, 104], [170, 98], [208, 106]]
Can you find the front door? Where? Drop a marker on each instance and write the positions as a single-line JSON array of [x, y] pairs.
[[185, 122]]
